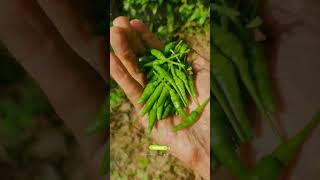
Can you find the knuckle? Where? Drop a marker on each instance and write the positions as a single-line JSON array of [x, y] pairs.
[[117, 33], [128, 56], [123, 76]]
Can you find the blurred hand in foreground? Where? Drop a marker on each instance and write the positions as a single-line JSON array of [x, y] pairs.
[[54, 45]]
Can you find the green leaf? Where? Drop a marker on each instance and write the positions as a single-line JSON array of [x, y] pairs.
[[256, 22], [154, 9], [170, 18], [225, 11]]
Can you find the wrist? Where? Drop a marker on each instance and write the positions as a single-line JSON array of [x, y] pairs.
[[200, 163], [203, 167]]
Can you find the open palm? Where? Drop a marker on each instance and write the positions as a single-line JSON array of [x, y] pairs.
[[192, 145]]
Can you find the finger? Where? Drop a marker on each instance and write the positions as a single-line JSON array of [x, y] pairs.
[[146, 35], [122, 22], [123, 51], [130, 86], [74, 29], [134, 39], [65, 78]]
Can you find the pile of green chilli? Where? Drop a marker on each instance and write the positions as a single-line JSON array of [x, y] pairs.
[[239, 69], [169, 86]]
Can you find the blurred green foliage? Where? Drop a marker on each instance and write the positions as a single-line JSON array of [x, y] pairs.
[[165, 18], [20, 100], [116, 97]]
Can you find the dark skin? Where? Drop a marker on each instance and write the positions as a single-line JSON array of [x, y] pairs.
[[56, 54], [52, 42]]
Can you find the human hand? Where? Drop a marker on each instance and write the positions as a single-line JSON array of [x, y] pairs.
[[53, 44], [192, 145]]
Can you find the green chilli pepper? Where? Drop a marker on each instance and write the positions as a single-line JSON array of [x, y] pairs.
[[165, 75], [147, 92], [158, 54], [271, 166], [268, 168], [152, 118], [162, 61], [150, 75], [181, 87], [159, 111], [168, 47], [145, 59], [261, 77], [183, 77], [176, 103], [226, 77], [287, 151], [183, 49], [156, 62], [232, 47], [178, 44], [217, 92], [194, 115], [163, 96], [166, 103], [167, 111], [155, 147], [153, 98], [191, 85], [223, 145]]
